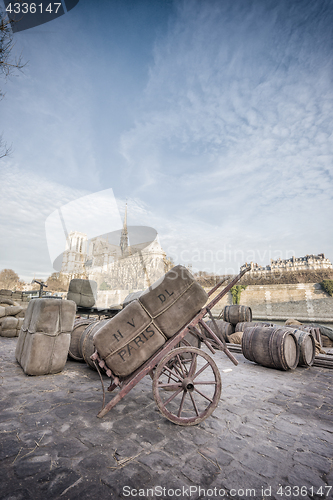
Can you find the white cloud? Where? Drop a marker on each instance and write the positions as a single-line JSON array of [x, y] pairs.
[[235, 128], [27, 200]]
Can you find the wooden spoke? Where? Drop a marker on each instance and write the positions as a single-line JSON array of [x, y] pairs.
[[193, 365], [181, 404], [194, 405], [201, 370], [172, 397], [203, 395], [171, 374]]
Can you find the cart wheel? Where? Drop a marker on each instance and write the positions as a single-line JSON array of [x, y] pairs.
[[196, 386]]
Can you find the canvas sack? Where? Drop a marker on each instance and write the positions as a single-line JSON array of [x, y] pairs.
[[44, 338], [86, 287], [8, 326], [126, 341], [83, 292], [5, 301], [12, 310], [81, 300], [173, 300], [236, 338]]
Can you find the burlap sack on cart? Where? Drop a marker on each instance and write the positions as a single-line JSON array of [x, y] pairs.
[[44, 338], [128, 340], [173, 300]]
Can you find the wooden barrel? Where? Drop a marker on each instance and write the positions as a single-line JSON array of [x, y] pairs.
[[193, 340], [240, 327], [312, 329], [326, 342], [86, 345], [74, 348], [307, 347], [224, 328], [236, 313], [273, 347]]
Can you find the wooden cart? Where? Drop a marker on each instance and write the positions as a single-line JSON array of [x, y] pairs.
[[186, 380]]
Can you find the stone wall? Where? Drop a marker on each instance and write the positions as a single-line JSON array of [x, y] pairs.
[[303, 301], [306, 302]]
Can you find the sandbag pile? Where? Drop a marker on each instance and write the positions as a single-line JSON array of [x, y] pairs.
[[11, 314], [44, 338], [82, 292], [16, 295], [10, 326], [126, 341]]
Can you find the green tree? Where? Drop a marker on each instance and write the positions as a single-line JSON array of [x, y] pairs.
[[236, 291], [327, 286]]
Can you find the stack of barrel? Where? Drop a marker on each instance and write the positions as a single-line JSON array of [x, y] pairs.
[[270, 345], [232, 315], [82, 339], [274, 346]]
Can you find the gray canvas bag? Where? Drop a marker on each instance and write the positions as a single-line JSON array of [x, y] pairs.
[[173, 300], [82, 292], [44, 338], [126, 341]]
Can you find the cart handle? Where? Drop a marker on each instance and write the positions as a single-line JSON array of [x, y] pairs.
[[217, 286], [226, 289]]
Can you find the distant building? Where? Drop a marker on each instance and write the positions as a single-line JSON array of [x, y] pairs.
[[116, 267], [315, 262]]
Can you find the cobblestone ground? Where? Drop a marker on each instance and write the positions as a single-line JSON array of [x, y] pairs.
[[271, 437]]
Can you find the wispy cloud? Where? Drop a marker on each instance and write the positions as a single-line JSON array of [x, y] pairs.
[[235, 128], [229, 148], [27, 200]]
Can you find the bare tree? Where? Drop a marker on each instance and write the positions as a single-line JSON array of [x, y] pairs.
[[57, 282], [9, 279], [9, 64]]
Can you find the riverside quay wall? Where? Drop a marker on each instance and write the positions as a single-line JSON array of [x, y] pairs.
[[302, 301], [306, 302]]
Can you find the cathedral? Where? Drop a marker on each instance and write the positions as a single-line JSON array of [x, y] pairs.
[[128, 259]]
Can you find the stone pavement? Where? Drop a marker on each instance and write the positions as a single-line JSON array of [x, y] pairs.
[[271, 437]]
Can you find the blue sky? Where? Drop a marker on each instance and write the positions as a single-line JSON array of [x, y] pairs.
[[212, 119]]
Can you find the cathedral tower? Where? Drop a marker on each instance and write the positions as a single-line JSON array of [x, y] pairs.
[[124, 237]]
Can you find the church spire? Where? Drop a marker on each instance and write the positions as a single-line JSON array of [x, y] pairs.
[[124, 236]]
